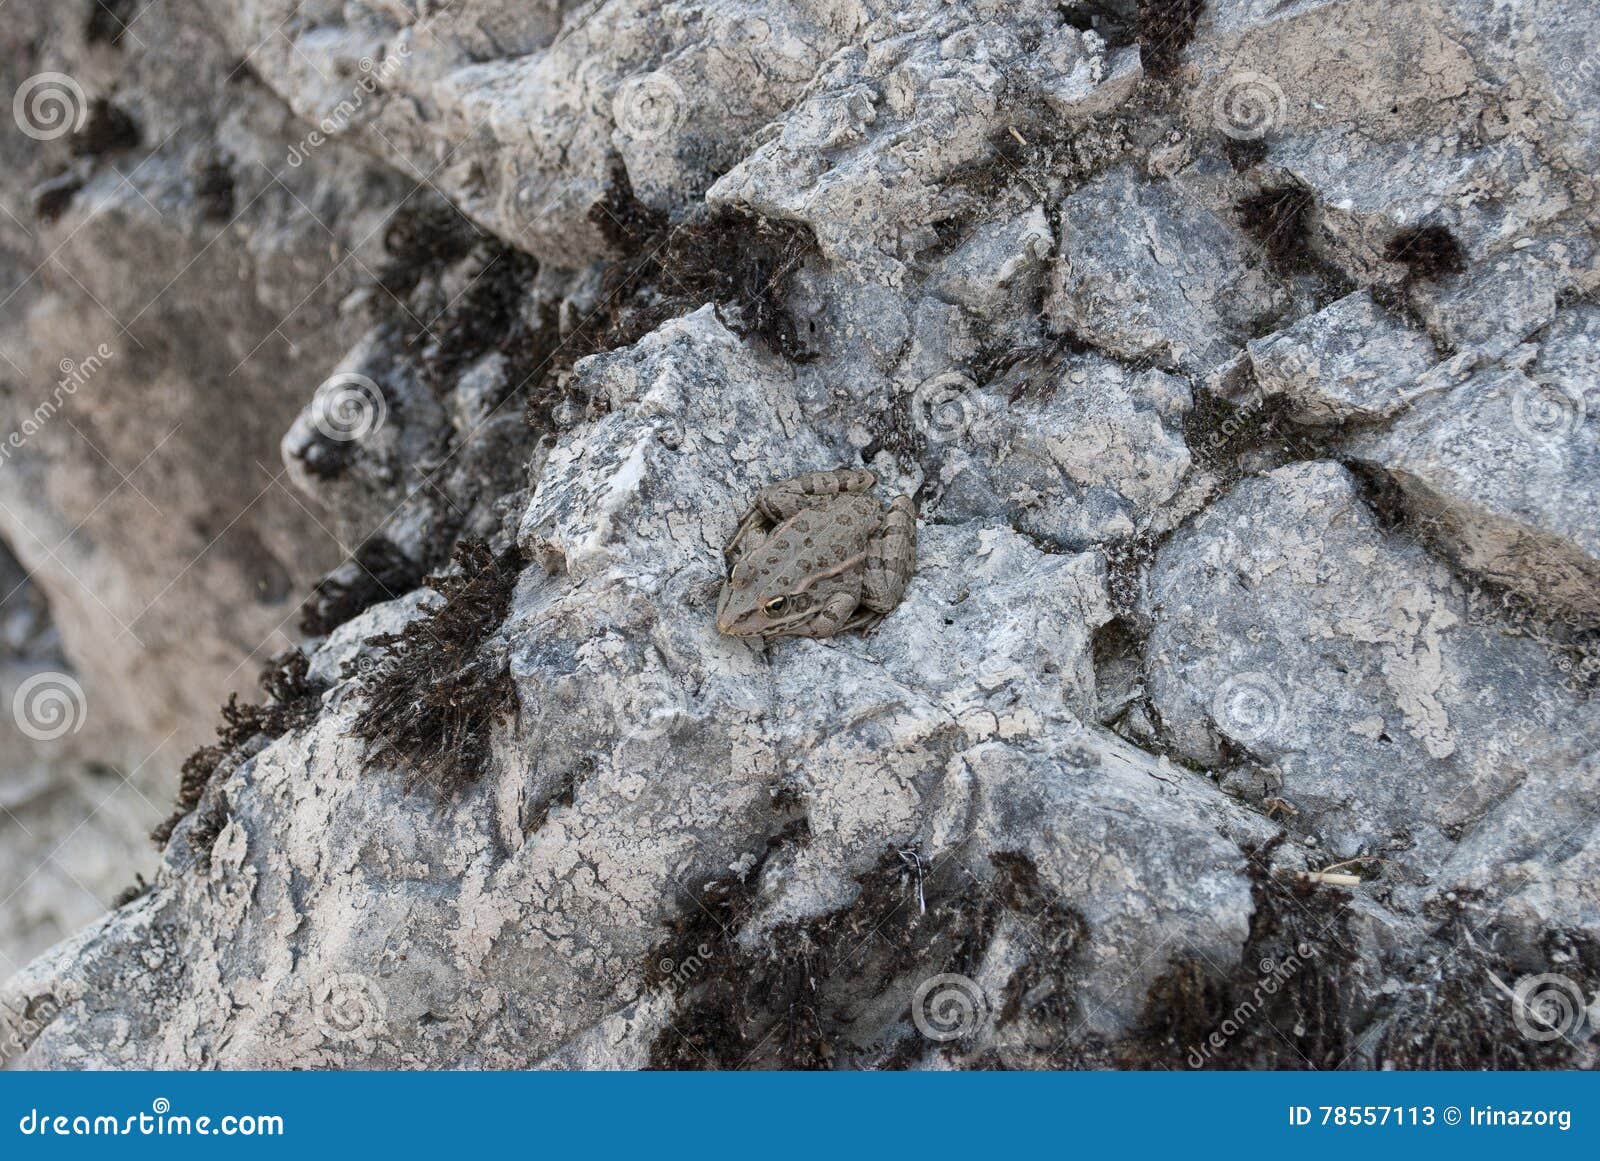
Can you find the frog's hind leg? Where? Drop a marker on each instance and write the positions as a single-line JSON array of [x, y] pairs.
[[779, 501], [891, 559]]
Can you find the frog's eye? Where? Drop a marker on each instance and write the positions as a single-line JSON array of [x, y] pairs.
[[776, 607]]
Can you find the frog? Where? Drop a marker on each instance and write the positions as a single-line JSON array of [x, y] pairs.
[[816, 554]]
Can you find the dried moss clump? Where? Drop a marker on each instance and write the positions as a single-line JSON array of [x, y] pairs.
[[796, 1002], [423, 235], [378, 572], [1283, 1005], [441, 684], [739, 260], [107, 128], [1278, 218], [1427, 252], [1226, 438], [293, 699], [1165, 28], [1457, 1013]]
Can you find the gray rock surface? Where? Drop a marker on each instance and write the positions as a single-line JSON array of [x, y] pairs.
[[1244, 381], [1505, 467], [1353, 362]]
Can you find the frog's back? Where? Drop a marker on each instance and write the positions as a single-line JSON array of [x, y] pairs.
[[815, 540]]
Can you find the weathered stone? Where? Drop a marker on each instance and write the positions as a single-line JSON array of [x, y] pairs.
[[1505, 469], [1353, 361]]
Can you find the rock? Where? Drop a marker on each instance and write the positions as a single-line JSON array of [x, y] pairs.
[[1145, 273], [1289, 627], [1100, 458], [650, 757], [1161, 655], [1505, 469], [1352, 362]]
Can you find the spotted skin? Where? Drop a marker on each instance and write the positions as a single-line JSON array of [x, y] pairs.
[[816, 555]]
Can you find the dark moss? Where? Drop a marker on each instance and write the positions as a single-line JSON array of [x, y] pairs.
[[377, 572], [213, 189], [1165, 28], [1040, 989], [1220, 435], [441, 686], [293, 699], [138, 889], [107, 21], [1284, 1004], [790, 1005], [107, 128], [1244, 153], [1427, 252], [1455, 1012], [742, 262], [1278, 218], [53, 196], [424, 235], [486, 316], [1381, 495]]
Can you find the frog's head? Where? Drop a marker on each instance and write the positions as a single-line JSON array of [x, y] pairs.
[[752, 606]]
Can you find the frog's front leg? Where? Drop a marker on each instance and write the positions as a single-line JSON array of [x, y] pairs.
[[777, 502], [835, 614], [891, 559]]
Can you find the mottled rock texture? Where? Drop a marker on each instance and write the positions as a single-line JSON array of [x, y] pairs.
[[1240, 358]]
